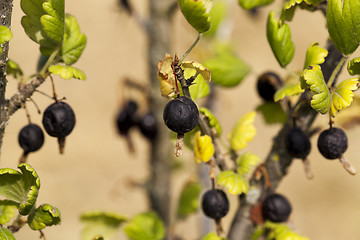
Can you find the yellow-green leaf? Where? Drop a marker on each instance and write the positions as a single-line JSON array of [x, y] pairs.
[[189, 199], [315, 55], [245, 161], [213, 122], [354, 66], [203, 148], [5, 35], [321, 99], [281, 231], [290, 89], [67, 72], [196, 12], [288, 11], [200, 69], [202, 75], [233, 182], [243, 131], [250, 4], [213, 236], [343, 95]]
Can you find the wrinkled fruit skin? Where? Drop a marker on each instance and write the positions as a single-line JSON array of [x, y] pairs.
[[126, 117], [148, 126], [181, 115], [59, 120], [215, 204], [297, 143], [276, 208], [31, 138], [267, 84], [332, 143]]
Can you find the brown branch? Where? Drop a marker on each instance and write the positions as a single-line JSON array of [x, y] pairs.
[[278, 160]]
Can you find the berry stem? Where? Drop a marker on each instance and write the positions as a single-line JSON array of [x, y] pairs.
[[307, 169], [53, 88], [179, 145], [347, 165]]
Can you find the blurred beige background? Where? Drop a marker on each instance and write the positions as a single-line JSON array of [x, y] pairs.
[[96, 167]]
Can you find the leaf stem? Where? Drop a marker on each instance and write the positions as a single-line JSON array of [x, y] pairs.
[[49, 62], [336, 71], [191, 48]]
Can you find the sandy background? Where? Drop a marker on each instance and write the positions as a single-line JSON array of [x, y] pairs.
[[94, 171]]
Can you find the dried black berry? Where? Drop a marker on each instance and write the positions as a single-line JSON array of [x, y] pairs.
[[276, 208], [297, 143], [267, 84], [126, 117], [332, 143], [59, 121], [148, 125], [181, 115], [31, 138], [215, 204]]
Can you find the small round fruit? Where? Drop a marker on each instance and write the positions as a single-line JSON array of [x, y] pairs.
[[215, 204], [31, 138], [332, 143], [297, 143], [126, 117], [267, 84], [181, 115], [276, 208], [59, 120], [148, 126]]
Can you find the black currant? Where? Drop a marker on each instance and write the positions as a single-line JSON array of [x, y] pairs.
[[148, 125], [215, 204], [181, 115], [297, 143], [59, 121], [31, 139], [276, 208], [332, 143], [126, 117], [267, 84]]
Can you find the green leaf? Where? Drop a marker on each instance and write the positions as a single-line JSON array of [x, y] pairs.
[[217, 14], [44, 23], [7, 211], [189, 199], [226, 69], [245, 161], [279, 38], [321, 99], [74, 41], [43, 216], [199, 88], [343, 22], [343, 95], [22, 188], [100, 224], [14, 69], [250, 4], [233, 182], [272, 112], [211, 119], [354, 66], [288, 11], [5, 35], [67, 72], [315, 55], [196, 12], [145, 226], [290, 89], [243, 132], [6, 234], [213, 236]]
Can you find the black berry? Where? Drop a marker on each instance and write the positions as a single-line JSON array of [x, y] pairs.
[[31, 138], [181, 115], [332, 143], [297, 143], [215, 204], [267, 84], [126, 117], [148, 126], [276, 208]]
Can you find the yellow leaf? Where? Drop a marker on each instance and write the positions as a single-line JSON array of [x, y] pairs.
[[290, 89], [343, 95], [166, 77], [243, 132], [203, 148], [200, 69], [233, 182]]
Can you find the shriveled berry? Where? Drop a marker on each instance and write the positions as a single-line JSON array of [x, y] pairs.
[[215, 204], [332, 143], [267, 84], [297, 143], [181, 115], [31, 138], [126, 117], [276, 208], [148, 125], [59, 120]]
